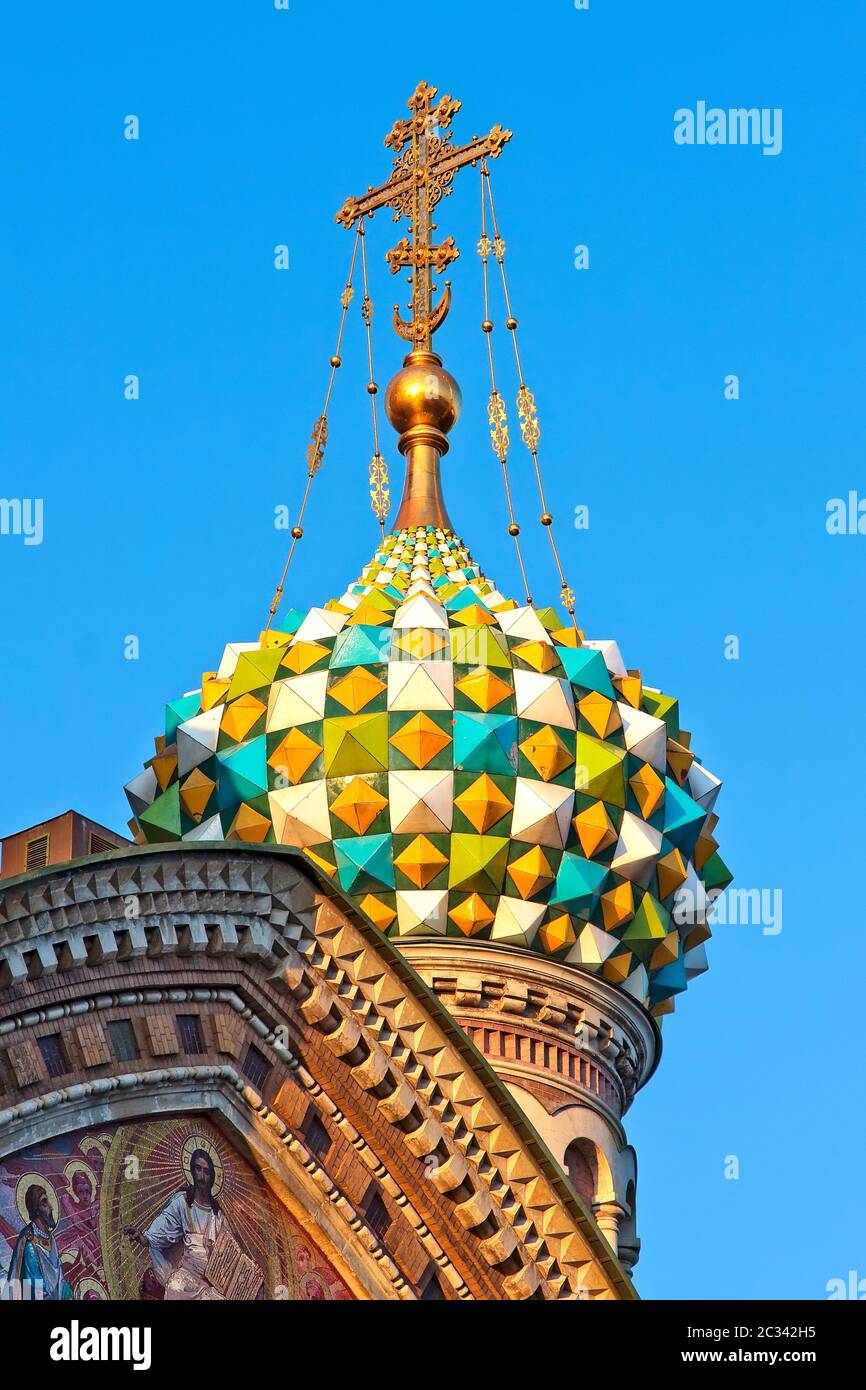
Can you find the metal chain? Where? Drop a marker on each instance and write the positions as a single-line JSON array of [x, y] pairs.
[[380, 493], [530, 429], [319, 438], [497, 414]]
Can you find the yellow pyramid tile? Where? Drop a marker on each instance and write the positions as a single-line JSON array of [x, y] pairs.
[[704, 849], [378, 912], [671, 872], [648, 788], [697, 936], [249, 825], [355, 690], [420, 861], [320, 863], [195, 793], [541, 656], [484, 688], [369, 615], [568, 637], [616, 968], [594, 829], [679, 761], [547, 752], [358, 805], [600, 713], [302, 656], [667, 952], [164, 765], [483, 804], [240, 716], [617, 906], [663, 1009], [474, 616], [472, 915], [558, 933], [531, 872], [294, 755], [420, 643], [630, 688], [271, 639], [420, 739], [213, 691]]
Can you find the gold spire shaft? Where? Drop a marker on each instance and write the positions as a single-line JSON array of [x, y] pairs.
[[422, 503]]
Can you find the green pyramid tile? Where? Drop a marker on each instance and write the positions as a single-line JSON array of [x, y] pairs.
[[355, 743], [478, 863]]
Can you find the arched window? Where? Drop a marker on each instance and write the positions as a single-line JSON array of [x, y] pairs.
[[582, 1168]]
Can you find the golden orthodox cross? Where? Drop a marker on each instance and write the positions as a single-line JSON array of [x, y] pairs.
[[422, 175]]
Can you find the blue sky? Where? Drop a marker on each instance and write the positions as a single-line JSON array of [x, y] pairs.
[[707, 515]]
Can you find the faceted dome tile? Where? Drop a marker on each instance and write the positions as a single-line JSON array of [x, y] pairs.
[[457, 764]]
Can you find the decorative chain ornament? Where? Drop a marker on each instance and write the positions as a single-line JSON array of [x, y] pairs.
[[380, 494], [316, 446], [530, 430], [498, 419], [496, 413]]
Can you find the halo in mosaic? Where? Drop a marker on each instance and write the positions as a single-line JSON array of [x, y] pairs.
[[459, 765]]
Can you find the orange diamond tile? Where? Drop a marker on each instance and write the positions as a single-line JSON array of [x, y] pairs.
[[164, 765], [213, 691], [368, 614], [671, 873], [600, 713], [617, 906], [195, 793], [240, 716], [249, 825], [531, 872], [558, 933], [324, 864], [679, 760], [358, 805], [473, 616], [378, 912], [420, 643], [594, 829], [484, 689], [472, 915], [667, 952], [483, 804], [547, 753], [630, 688], [648, 788], [420, 739], [616, 968], [303, 656], [355, 690], [294, 755], [541, 656], [420, 861]]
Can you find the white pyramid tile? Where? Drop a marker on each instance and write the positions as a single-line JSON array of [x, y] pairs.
[[300, 814]]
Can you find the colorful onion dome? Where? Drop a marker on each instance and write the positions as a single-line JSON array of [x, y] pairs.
[[459, 765]]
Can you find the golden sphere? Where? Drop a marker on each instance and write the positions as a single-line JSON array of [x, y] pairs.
[[423, 393]]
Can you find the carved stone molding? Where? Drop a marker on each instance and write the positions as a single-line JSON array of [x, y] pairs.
[[561, 1032]]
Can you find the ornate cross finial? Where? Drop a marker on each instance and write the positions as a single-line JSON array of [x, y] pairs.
[[423, 174]]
